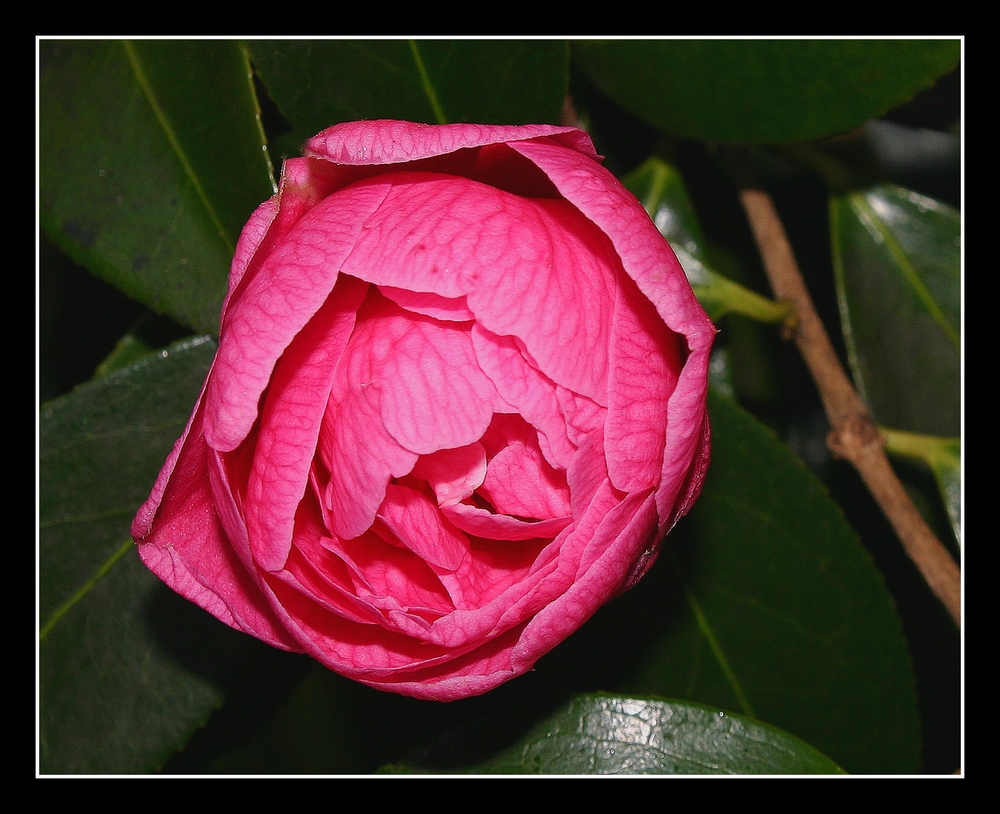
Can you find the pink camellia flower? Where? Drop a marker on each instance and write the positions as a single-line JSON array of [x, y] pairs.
[[458, 400]]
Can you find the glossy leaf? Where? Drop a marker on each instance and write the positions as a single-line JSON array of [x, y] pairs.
[[763, 90], [150, 161], [117, 690], [778, 612], [897, 261], [317, 83], [946, 464], [609, 735]]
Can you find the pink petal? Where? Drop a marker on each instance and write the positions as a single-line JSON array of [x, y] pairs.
[[432, 393], [453, 474], [251, 236], [270, 306], [556, 295], [587, 473], [520, 482], [583, 417], [304, 183], [292, 415], [530, 394], [649, 260], [417, 525], [361, 457], [181, 539], [644, 362], [389, 142], [429, 304], [487, 524], [534, 269]]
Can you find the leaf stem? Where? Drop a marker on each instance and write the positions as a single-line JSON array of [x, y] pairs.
[[854, 435], [926, 448]]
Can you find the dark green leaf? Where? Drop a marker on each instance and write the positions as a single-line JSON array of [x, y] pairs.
[[897, 259], [759, 90], [603, 734], [318, 83], [779, 612], [116, 694], [151, 160], [129, 349]]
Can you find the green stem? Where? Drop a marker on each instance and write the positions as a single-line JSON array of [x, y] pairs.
[[914, 445]]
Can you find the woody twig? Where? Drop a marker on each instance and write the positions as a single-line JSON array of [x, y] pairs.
[[854, 436]]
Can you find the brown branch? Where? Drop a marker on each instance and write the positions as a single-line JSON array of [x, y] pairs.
[[854, 436]]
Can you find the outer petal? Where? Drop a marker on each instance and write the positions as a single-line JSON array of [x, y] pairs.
[[269, 307], [619, 539], [649, 260], [304, 183], [390, 142], [293, 413], [181, 539], [645, 359]]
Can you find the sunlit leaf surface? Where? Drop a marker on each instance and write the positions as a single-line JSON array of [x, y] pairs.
[[898, 273], [608, 735]]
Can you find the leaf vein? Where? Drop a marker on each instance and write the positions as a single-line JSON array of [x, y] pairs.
[[65, 608], [168, 131]]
